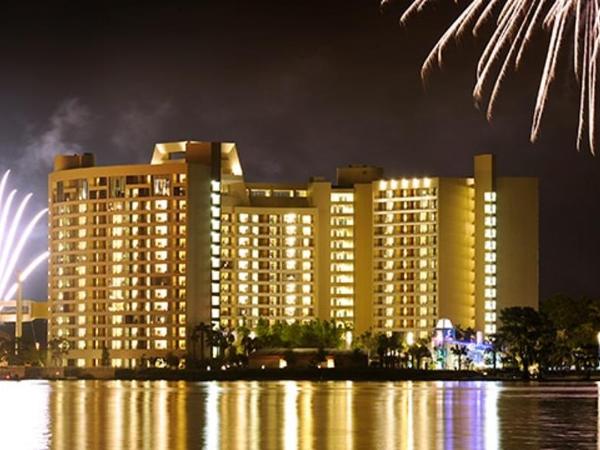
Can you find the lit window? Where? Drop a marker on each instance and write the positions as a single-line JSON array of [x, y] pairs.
[[490, 221], [160, 344], [161, 204], [490, 269], [490, 209], [160, 331], [490, 245], [161, 185], [490, 233], [489, 196], [289, 218], [490, 257]]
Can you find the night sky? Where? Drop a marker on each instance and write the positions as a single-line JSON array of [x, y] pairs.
[[301, 87]]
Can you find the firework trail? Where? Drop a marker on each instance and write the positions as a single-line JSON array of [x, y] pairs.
[[13, 237], [572, 23]]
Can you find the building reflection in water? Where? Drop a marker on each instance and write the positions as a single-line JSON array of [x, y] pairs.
[[289, 415], [257, 415], [211, 425]]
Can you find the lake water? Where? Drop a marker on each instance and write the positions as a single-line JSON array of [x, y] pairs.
[[297, 415]]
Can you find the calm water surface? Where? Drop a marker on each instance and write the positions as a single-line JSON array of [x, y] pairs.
[[297, 415]]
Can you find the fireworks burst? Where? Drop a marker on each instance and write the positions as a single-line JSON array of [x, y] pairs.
[[13, 237], [573, 23]]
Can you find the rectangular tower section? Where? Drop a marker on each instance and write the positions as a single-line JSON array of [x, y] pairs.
[[269, 265], [117, 275], [405, 256], [342, 270]]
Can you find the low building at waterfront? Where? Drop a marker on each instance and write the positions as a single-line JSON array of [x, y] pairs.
[[141, 254], [303, 358], [33, 328]]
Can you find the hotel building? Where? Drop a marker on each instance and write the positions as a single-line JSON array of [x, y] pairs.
[[141, 254]]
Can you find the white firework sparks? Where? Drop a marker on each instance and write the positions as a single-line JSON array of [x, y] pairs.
[[13, 236], [574, 23]]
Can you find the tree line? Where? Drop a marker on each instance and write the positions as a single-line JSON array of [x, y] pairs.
[[562, 335]]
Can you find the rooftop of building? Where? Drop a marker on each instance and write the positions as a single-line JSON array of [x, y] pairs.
[[192, 151], [168, 153]]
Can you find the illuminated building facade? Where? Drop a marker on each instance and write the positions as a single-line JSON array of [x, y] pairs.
[[131, 246], [141, 254]]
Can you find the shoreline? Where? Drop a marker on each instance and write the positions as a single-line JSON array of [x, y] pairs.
[[288, 374]]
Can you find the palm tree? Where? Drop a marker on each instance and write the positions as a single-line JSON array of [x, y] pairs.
[[367, 342], [495, 349], [459, 351], [419, 351], [221, 339], [201, 332], [383, 346], [396, 347], [59, 348], [465, 334], [389, 348], [228, 347], [248, 344]]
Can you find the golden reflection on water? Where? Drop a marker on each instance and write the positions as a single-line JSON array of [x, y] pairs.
[[291, 415]]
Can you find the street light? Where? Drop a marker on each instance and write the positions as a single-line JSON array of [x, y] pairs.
[[19, 314]]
